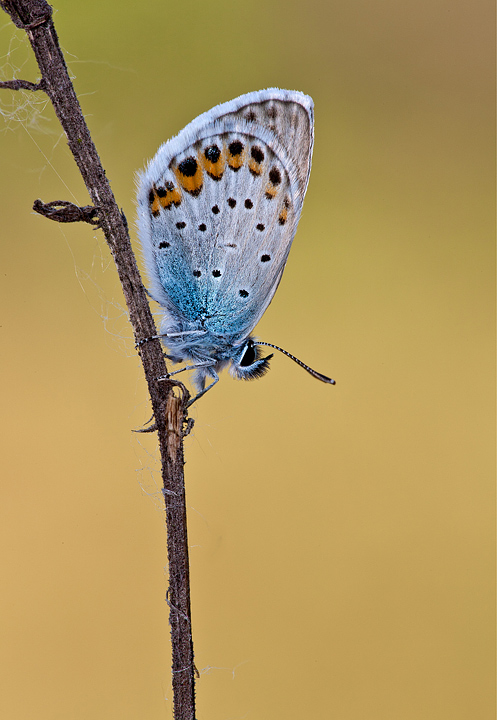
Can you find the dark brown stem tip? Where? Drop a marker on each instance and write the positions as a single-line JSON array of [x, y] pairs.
[[21, 85], [67, 212]]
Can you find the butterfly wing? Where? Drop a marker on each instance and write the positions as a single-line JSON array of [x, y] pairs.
[[219, 206]]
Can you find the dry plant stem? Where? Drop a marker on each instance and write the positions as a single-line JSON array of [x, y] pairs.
[[35, 17]]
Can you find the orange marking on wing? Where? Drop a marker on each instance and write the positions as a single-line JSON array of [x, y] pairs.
[[193, 183], [236, 161], [155, 205], [215, 170], [255, 167], [283, 216], [271, 191], [173, 197]]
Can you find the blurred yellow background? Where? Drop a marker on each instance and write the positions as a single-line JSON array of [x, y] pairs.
[[342, 538]]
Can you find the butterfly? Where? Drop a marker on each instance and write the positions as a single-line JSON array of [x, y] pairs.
[[218, 207]]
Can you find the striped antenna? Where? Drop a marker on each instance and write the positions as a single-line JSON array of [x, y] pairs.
[[312, 372]]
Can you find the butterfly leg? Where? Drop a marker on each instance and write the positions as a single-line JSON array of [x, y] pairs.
[[187, 367], [169, 335], [212, 373], [199, 395]]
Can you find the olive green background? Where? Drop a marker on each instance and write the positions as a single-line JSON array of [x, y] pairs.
[[342, 538]]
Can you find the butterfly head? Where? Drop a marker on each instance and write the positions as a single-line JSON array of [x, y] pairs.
[[247, 363]]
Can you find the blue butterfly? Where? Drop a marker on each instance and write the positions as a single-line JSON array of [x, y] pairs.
[[218, 207]]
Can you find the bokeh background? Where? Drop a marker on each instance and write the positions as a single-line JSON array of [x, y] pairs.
[[342, 538]]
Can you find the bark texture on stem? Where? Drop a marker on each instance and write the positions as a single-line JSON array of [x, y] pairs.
[[35, 17]]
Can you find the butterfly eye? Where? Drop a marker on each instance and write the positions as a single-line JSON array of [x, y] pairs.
[[249, 355], [250, 365]]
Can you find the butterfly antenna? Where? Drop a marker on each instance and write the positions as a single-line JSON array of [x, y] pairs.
[[312, 372]]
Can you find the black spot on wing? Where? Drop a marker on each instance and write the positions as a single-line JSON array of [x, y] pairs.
[[275, 176], [212, 153], [257, 154], [235, 147], [188, 167]]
